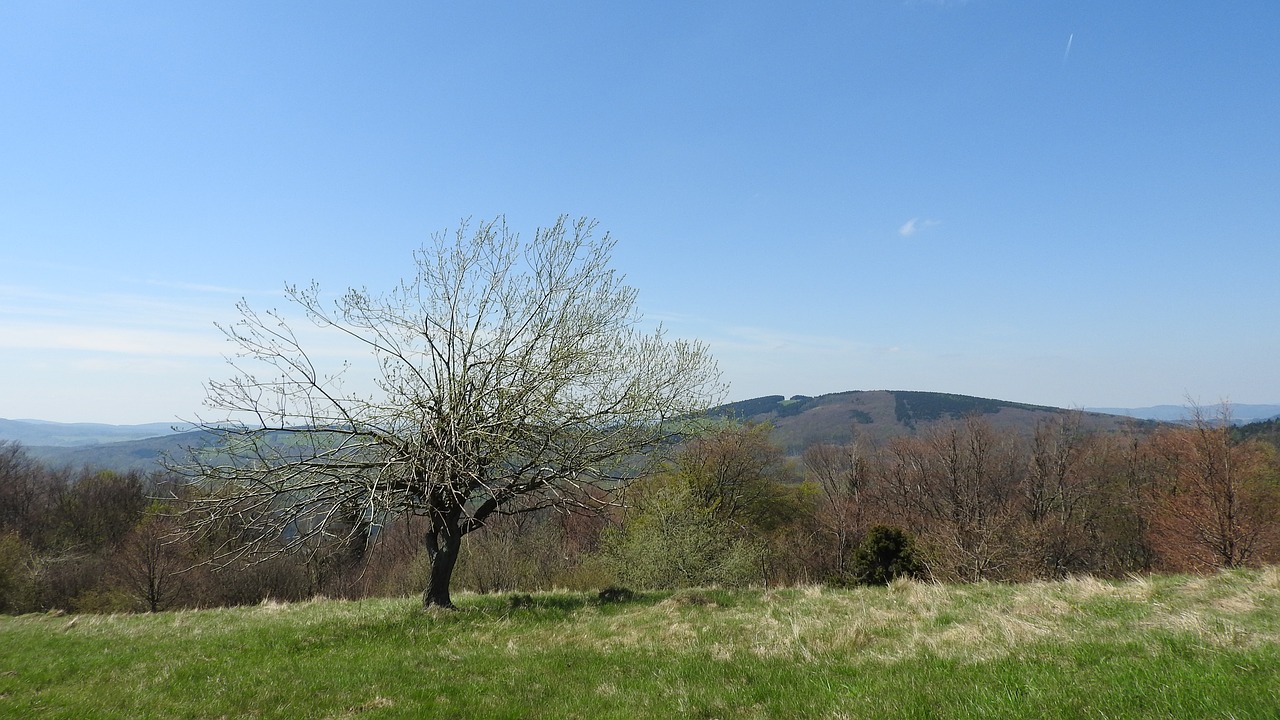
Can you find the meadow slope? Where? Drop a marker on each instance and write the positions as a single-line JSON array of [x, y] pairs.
[[1148, 647]]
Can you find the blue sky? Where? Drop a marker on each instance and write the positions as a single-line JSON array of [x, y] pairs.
[[1066, 203]]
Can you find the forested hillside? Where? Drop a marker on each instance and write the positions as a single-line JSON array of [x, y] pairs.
[[879, 415], [1265, 430], [140, 455]]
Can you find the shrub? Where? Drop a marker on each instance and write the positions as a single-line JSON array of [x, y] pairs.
[[884, 554], [672, 542], [16, 583]]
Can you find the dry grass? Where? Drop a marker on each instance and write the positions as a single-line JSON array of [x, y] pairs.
[[987, 649], [909, 619]]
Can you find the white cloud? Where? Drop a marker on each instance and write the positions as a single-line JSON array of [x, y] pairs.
[[915, 225]]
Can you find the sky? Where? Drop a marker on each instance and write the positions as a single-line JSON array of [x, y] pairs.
[[1073, 204]]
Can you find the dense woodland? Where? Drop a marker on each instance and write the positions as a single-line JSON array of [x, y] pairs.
[[958, 501]]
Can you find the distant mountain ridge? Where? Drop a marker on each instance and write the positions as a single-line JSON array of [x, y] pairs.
[[123, 456], [112, 447], [1180, 413], [799, 421], [56, 434]]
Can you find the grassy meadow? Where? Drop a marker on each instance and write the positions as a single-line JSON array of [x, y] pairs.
[[1153, 647]]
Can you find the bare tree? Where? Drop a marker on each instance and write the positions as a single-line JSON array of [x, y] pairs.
[[1063, 489], [841, 472], [1216, 504], [954, 488], [511, 376], [24, 489], [148, 564]]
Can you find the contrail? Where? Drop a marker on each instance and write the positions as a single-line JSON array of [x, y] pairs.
[[1067, 54]]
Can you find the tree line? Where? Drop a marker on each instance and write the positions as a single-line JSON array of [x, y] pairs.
[[958, 502], [966, 501], [89, 540]]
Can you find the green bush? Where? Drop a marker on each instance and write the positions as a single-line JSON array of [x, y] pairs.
[[671, 541], [105, 600], [884, 554]]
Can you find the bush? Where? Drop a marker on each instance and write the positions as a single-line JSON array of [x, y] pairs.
[[103, 600], [884, 554], [512, 553], [16, 583], [672, 542], [282, 578]]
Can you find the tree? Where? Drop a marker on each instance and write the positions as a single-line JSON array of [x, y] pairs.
[[148, 564], [739, 474], [23, 492], [1064, 493], [15, 572], [750, 489], [953, 488], [99, 508], [510, 377], [840, 471], [522, 552], [1216, 502]]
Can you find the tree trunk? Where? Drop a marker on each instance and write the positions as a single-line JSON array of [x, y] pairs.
[[443, 545]]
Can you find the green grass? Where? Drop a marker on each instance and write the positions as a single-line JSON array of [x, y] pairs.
[[1163, 647]]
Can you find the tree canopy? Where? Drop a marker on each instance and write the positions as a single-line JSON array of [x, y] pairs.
[[511, 376]]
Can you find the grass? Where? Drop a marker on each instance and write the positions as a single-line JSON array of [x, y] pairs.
[[1160, 647]]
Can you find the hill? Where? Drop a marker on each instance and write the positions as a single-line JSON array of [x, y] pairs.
[[143, 454], [55, 434], [878, 415], [1264, 430]]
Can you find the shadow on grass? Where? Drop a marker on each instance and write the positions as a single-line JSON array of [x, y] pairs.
[[560, 604], [555, 602]]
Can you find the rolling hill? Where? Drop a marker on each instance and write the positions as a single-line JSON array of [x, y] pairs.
[[143, 454], [801, 421], [43, 432]]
